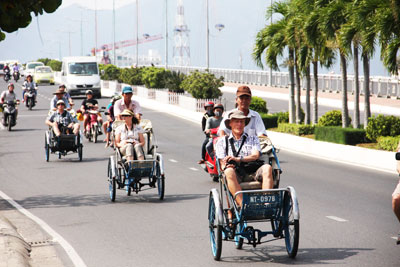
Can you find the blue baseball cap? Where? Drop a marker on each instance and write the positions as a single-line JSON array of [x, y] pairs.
[[127, 90]]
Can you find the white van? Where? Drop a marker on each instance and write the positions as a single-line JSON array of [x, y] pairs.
[[80, 74], [30, 67]]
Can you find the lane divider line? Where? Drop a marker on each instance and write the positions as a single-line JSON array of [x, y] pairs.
[[172, 160], [73, 255], [193, 169], [336, 219], [394, 237]]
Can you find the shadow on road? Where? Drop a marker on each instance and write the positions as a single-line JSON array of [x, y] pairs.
[[305, 256], [59, 201]]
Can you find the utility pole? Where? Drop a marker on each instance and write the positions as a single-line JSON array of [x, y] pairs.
[[95, 28], [207, 39], [166, 34]]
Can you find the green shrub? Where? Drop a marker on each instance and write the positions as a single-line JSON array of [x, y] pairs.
[[203, 85], [55, 65], [132, 76], [283, 117], [111, 72], [332, 118], [382, 126], [339, 135], [258, 104], [389, 143], [174, 80], [154, 77], [45, 61], [296, 129], [270, 120]]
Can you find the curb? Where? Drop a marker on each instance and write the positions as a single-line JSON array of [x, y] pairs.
[[14, 250], [357, 156]]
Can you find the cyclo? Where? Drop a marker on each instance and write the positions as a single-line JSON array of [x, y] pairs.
[[69, 139], [278, 206], [136, 174]]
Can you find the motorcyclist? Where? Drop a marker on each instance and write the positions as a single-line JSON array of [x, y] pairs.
[[243, 100], [62, 118], [15, 67], [9, 95], [107, 125], [211, 123], [90, 104], [209, 113], [29, 86], [6, 70], [59, 95]]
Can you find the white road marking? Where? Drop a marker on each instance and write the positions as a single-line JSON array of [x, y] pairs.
[[193, 169], [172, 160], [394, 237], [73, 255], [336, 219]]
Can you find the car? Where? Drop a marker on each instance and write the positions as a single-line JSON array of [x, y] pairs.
[[30, 67], [43, 74], [2, 64]]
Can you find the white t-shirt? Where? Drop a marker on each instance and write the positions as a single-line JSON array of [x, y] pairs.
[[127, 134], [255, 127], [8, 96]]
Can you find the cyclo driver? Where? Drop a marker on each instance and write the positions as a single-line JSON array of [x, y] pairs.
[[62, 120]]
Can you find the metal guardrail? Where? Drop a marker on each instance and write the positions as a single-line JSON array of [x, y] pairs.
[[380, 86]]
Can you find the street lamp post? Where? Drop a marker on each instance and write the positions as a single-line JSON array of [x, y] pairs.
[[166, 34], [270, 69], [137, 33], [207, 39], [114, 61]]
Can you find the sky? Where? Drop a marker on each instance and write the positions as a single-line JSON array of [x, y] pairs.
[[58, 34]]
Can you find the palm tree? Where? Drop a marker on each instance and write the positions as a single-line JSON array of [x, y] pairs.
[[273, 40], [333, 16]]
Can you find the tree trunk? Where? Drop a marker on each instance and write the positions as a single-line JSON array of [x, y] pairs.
[[307, 119], [292, 106], [298, 91], [356, 118], [367, 107], [315, 103], [345, 110]]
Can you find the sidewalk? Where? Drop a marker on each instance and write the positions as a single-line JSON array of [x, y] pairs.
[[382, 105]]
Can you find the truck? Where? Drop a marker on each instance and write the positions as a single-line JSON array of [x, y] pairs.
[[80, 74]]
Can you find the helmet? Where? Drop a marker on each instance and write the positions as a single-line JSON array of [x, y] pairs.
[[28, 76], [10, 84], [219, 106], [89, 92], [115, 98], [209, 104]]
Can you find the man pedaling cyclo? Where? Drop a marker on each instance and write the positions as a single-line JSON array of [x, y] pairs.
[[242, 126]]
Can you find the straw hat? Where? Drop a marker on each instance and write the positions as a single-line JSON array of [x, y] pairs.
[[236, 114]]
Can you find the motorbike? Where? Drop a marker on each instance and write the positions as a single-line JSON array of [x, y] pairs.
[[30, 98], [7, 75], [10, 114], [16, 76], [210, 159], [93, 127]]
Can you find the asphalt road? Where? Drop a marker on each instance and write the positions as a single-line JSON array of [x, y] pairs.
[[72, 197]]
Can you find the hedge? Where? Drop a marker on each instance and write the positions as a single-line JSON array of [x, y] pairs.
[[258, 104], [270, 120], [382, 126], [296, 129], [339, 135], [388, 142]]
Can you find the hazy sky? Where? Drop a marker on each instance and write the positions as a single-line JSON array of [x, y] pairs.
[[100, 4]]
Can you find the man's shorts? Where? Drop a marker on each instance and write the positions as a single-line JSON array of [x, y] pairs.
[[257, 176], [396, 190]]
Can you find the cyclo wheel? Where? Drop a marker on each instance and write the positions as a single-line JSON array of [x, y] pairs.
[[46, 149], [111, 182], [161, 186], [215, 230], [291, 227]]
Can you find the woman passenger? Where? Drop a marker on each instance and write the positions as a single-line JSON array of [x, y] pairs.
[[129, 137]]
